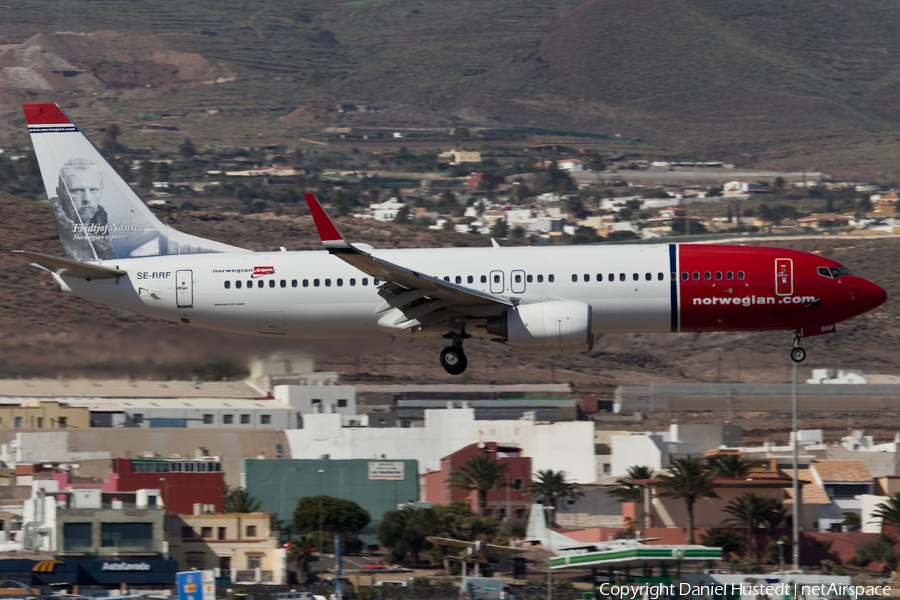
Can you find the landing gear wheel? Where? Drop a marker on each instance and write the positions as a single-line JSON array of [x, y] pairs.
[[453, 359], [798, 354]]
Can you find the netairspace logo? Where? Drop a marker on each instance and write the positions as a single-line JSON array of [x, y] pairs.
[[784, 590]]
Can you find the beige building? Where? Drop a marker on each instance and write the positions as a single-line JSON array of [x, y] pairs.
[[240, 544], [459, 156], [41, 414]]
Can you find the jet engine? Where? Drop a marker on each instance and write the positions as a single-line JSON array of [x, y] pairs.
[[552, 327]]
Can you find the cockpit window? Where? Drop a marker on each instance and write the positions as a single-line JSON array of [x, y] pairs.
[[833, 272]]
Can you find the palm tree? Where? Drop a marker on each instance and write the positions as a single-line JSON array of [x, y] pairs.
[[746, 511], [688, 479], [889, 511], [239, 500], [625, 490], [479, 473], [550, 486], [732, 465], [298, 556]]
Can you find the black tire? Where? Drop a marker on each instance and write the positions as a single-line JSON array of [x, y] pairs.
[[454, 360], [798, 355]]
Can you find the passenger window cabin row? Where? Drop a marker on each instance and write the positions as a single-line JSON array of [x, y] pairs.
[[295, 283], [599, 277]]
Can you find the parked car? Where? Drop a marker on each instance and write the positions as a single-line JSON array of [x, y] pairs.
[[373, 564], [390, 583]]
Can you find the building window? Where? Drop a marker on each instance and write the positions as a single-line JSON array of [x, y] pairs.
[[77, 536], [187, 533], [207, 419], [195, 561], [221, 533], [40, 422], [316, 401], [265, 419], [138, 418], [18, 422], [517, 484], [251, 531], [206, 532], [245, 419], [254, 562], [133, 536], [63, 422], [225, 563], [227, 419], [342, 404]]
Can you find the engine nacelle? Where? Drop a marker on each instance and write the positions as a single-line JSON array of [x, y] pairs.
[[556, 326]]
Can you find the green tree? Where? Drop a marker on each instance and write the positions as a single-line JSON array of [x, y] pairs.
[[111, 142], [747, 510], [238, 500], [186, 149], [689, 480], [726, 539], [550, 486], [731, 465], [625, 490], [882, 548], [517, 233], [480, 474], [298, 557], [402, 217], [145, 174], [403, 532], [499, 229], [329, 515], [852, 521]]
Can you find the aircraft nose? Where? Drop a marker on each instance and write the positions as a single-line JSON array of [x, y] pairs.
[[868, 294]]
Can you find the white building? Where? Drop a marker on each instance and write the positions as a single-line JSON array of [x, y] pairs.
[[649, 449], [387, 210], [309, 399], [564, 446]]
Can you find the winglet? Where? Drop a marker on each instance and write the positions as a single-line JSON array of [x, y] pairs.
[[45, 113], [331, 236]]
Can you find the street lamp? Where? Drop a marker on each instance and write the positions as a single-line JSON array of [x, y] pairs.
[[321, 514], [282, 492], [549, 511], [781, 555]]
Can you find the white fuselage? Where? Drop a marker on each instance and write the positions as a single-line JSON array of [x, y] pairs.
[[221, 290]]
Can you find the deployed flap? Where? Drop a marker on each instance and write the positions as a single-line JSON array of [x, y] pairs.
[[70, 268], [337, 244]]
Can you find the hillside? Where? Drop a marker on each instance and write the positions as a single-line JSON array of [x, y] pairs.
[[50, 334], [800, 85]]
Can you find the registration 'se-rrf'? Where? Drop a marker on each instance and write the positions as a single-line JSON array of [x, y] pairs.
[[537, 300]]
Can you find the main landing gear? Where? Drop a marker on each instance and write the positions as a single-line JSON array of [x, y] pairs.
[[798, 354], [453, 359]]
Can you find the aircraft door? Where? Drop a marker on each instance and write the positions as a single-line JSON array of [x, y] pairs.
[[498, 286], [784, 276], [517, 282], [184, 289]]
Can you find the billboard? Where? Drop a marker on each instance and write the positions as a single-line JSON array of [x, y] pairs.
[[381, 470]]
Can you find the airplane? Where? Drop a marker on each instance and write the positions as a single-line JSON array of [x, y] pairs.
[[536, 300], [569, 552]]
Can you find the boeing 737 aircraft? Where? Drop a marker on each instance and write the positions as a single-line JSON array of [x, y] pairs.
[[538, 300]]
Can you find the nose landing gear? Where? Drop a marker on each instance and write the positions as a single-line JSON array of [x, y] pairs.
[[798, 354]]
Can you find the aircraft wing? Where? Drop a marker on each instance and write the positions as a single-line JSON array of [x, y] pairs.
[[406, 287], [442, 541], [70, 268]]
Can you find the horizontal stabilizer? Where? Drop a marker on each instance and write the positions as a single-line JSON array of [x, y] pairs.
[[70, 268]]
